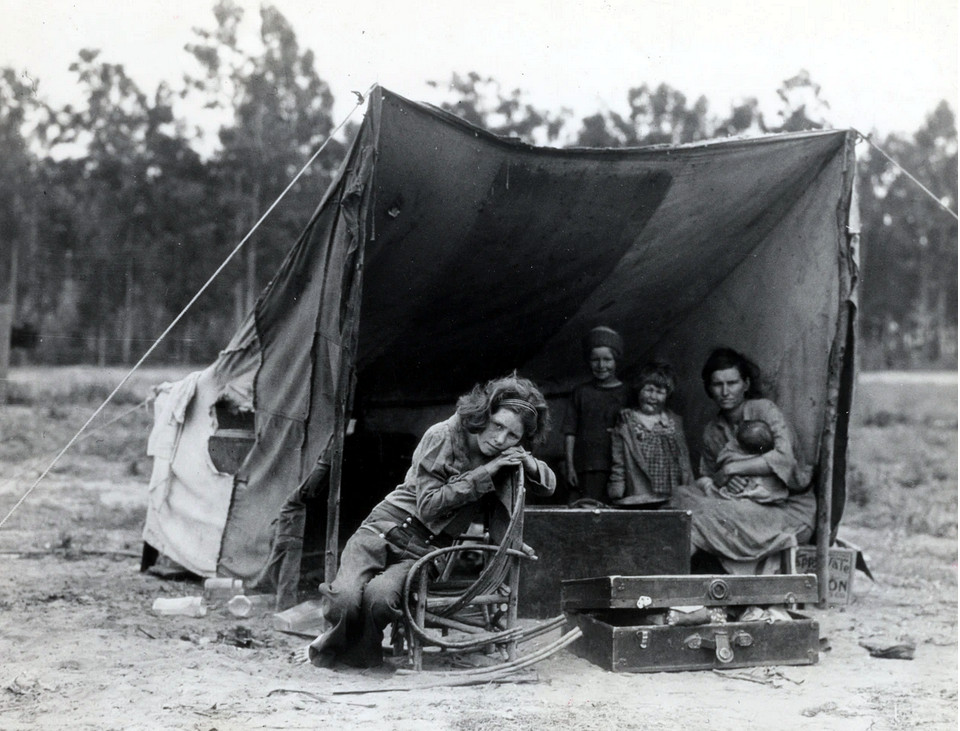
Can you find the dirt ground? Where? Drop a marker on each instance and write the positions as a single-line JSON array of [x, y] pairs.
[[81, 648]]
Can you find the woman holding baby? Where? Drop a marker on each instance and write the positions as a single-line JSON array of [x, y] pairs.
[[752, 499]]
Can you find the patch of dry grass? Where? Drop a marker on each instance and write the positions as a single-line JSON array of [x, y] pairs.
[[902, 472], [75, 385]]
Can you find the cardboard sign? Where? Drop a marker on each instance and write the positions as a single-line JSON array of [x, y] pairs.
[[843, 565]]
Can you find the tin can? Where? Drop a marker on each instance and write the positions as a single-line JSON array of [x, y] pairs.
[[221, 588], [245, 606], [186, 606]]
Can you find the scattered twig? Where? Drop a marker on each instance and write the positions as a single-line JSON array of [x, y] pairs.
[[318, 698], [441, 683], [742, 676], [480, 676], [142, 630], [763, 676], [787, 678]]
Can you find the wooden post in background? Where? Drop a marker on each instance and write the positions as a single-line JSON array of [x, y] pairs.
[[8, 298], [6, 320]]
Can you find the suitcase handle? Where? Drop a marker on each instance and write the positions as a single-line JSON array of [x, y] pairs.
[[720, 642]]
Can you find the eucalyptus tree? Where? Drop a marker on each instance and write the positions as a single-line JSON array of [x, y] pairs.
[[274, 112], [482, 100], [909, 256], [656, 115]]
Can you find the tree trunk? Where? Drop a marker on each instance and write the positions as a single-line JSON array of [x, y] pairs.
[[251, 258], [6, 318], [126, 343], [238, 304], [250, 287], [8, 290], [101, 345]]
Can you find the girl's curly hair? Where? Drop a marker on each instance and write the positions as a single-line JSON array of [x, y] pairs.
[[659, 374], [476, 408]]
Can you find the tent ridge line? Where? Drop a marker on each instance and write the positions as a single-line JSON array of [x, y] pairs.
[[517, 145]]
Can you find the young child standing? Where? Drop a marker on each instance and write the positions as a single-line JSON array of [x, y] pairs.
[[591, 414], [650, 456]]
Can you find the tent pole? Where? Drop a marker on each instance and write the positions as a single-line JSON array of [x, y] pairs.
[[333, 492], [827, 449], [838, 355], [345, 383]]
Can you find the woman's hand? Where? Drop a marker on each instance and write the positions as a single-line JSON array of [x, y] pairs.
[[731, 477], [510, 457], [736, 484], [729, 469]]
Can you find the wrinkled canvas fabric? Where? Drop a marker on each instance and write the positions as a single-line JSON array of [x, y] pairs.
[[442, 256]]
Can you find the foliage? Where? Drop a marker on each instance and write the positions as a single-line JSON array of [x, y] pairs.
[[22, 121], [133, 220], [482, 101], [657, 116], [909, 257], [117, 210], [278, 111]]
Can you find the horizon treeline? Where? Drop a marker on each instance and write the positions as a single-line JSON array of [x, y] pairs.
[[116, 210]]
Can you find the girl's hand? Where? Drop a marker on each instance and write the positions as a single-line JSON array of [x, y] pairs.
[[510, 457], [571, 474], [530, 464]]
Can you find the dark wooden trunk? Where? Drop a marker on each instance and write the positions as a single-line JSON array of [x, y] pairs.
[[654, 592], [613, 645], [627, 624], [578, 544]]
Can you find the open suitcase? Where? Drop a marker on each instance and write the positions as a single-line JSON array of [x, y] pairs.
[[645, 624]]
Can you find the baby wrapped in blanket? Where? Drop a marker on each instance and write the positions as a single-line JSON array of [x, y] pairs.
[[753, 438]]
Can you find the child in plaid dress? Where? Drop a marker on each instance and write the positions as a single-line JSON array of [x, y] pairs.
[[649, 449]]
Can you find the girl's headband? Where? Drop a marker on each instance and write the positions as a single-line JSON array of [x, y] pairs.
[[517, 403]]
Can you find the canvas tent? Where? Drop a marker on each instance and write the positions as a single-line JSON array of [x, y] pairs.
[[442, 256]]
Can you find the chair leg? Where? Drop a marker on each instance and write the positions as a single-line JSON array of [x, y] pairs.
[[415, 642], [788, 560], [512, 603]]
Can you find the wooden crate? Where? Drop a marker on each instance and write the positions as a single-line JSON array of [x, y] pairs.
[[574, 544]]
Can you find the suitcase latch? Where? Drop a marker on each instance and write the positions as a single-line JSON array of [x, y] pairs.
[[719, 589], [720, 642]]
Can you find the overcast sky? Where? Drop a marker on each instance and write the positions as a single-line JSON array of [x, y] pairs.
[[882, 64]]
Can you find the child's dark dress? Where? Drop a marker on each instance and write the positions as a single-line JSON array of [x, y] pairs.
[[590, 417]]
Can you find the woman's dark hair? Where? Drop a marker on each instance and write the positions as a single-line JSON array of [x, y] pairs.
[[476, 408], [659, 374], [723, 358]]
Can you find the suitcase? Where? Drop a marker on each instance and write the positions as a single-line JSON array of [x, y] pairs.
[[624, 620]]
